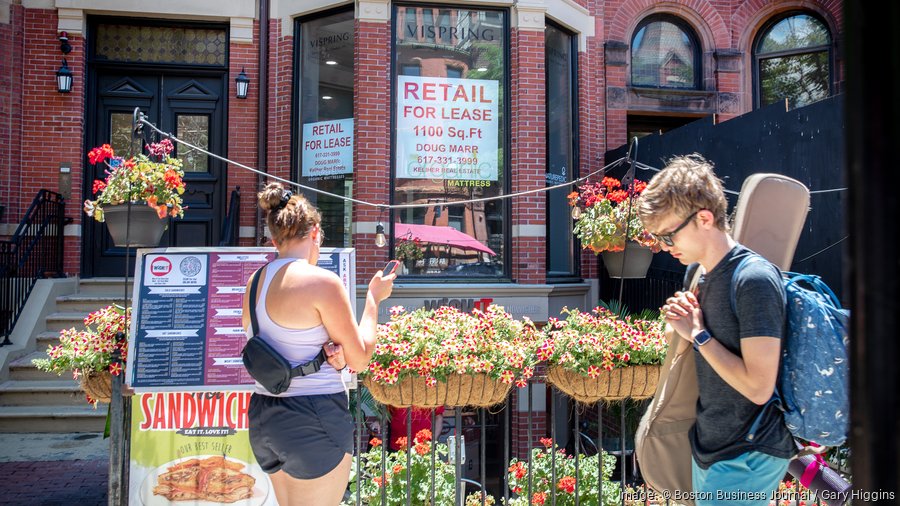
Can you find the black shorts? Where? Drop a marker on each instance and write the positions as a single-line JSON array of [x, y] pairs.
[[306, 436]]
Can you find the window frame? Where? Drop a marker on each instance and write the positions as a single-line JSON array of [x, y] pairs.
[[296, 104], [685, 27], [575, 274], [764, 30], [506, 139]]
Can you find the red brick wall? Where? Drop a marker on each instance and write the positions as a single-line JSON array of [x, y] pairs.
[[52, 122], [528, 153], [33, 112], [11, 92], [371, 151], [243, 119]]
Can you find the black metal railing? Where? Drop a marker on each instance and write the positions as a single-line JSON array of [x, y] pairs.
[[604, 428], [230, 229], [33, 252]]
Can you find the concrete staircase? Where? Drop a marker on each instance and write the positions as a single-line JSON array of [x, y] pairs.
[[36, 401]]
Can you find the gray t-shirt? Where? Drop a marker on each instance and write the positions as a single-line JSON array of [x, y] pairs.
[[724, 415]]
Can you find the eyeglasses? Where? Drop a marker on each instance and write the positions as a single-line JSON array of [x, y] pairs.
[[667, 238]]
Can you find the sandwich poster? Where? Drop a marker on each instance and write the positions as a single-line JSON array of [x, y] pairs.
[[193, 448]]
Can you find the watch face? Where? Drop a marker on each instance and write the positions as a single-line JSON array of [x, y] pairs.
[[702, 338]]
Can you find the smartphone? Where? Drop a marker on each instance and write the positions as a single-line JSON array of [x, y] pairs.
[[390, 267]]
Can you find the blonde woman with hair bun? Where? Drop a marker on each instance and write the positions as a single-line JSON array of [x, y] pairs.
[[303, 438]]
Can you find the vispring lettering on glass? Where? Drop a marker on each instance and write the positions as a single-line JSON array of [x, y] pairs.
[[447, 128]]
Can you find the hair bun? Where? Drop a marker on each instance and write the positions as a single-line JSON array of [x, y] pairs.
[[270, 198]]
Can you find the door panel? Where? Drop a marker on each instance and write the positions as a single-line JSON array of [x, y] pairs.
[[188, 106]]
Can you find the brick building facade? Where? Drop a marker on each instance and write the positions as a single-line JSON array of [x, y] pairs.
[[45, 134]]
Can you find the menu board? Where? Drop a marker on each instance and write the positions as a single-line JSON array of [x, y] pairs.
[[186, 332]]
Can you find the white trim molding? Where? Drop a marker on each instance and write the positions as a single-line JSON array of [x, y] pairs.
[[72, 12], [529, 231], [241, 30], [287, 10], [373, 11], [528, 15], [5, 6], [574, 17]]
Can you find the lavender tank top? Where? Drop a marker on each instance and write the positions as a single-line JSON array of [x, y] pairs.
[[297, 346]]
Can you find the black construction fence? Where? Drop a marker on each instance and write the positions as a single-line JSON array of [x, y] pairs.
[[806, 144]]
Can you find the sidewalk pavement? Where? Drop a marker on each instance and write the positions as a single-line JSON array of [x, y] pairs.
[[53, 469]]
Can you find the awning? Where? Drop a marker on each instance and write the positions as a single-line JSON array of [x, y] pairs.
[[444, 236]]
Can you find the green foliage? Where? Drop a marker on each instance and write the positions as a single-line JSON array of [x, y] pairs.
[[542, 466]]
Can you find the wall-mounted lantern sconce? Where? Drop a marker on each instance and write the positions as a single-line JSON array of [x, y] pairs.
[[64, 78], [64, 45], [243, 84]]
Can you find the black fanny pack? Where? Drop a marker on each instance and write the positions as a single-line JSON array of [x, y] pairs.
[[264, 363]]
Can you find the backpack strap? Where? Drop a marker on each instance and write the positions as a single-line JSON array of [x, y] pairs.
[[776, 395], [254, 286], [305, 369]]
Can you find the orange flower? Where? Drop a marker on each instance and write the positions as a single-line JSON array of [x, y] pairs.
[[402, 442], [374, 442], [566, 484]]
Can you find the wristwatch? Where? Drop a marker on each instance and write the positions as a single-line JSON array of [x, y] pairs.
[[701, 338]]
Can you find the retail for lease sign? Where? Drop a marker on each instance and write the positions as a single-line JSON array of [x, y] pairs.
[[447, 128], [328, 148]]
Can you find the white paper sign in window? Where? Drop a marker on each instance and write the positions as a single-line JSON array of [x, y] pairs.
[[328, 148], [447, 128]]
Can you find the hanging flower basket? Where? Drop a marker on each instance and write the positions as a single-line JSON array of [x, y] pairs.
[[97, 385], [458, 391], [146, 226], [631, 263], [633, 382]]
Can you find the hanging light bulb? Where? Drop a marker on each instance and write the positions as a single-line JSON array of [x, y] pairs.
[[380, 241], [576, 212]]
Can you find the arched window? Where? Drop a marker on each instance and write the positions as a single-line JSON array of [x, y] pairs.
[[665, 53], [792, 57]]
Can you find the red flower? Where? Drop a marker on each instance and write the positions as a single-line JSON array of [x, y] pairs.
[[397, 468], [618, 196], [115, 368], [546, 441], [374, 442], [539, 498], [422, 448], [611, 182], [98, 186], [423, 436], [402, 442], [101, 154], [566, 484]]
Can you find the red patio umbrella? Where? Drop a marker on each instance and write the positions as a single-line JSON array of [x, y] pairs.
[[447, 236]]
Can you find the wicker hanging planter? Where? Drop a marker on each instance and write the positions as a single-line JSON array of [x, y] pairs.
[[458, 391], [97, 385], [633, 382]]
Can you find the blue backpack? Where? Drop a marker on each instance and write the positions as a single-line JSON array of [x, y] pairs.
[[813, 386]]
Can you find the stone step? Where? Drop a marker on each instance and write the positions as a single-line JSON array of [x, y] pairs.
[[22, 369], [45, 339], [104, 286], [58, 392], [64, 320], [80, 418], [88, 302]]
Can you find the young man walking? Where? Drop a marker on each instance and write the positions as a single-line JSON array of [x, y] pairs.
[[737, 351]]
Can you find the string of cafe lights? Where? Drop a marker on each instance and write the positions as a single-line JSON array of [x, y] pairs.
[[140, 120]]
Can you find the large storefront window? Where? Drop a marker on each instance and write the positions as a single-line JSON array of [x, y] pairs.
[[450, 130], [560, 64], [325, 127]]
